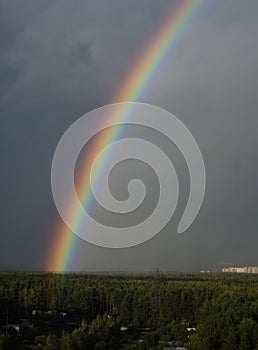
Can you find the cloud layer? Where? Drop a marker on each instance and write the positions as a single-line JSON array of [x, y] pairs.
[[60, 59]]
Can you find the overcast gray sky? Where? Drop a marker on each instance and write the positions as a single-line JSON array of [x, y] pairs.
[[61, 59]]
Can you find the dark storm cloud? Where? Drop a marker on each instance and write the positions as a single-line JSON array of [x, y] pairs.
[[61, 59]]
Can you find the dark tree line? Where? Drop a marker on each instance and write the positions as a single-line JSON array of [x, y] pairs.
[[223, 308]]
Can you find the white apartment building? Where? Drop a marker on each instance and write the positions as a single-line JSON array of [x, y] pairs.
[[245, 269]]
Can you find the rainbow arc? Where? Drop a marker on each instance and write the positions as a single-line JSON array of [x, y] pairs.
[[137, 82]]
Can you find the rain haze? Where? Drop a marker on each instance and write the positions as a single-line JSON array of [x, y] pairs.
[[61, 59]]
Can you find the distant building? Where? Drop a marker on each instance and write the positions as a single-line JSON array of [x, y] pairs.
[[64, 314], [36, 312], [52, 313], [26, 323], [17, 327], [245, 269], [14, 326]]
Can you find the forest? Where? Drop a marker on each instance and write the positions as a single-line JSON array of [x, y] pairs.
[[197, 311]]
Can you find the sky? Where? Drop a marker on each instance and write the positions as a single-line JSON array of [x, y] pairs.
[[61, 59]]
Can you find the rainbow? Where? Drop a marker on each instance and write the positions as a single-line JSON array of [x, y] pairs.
[[137, 82]]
